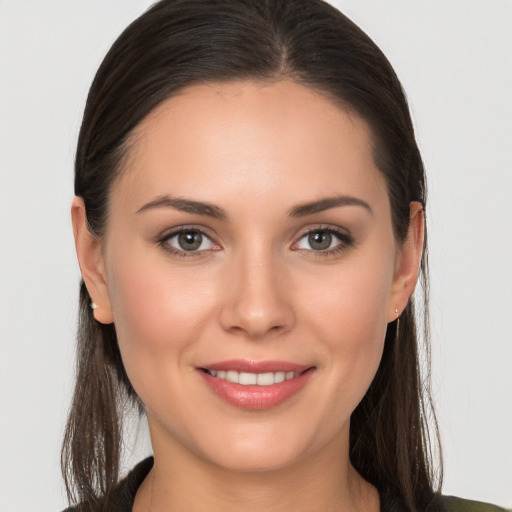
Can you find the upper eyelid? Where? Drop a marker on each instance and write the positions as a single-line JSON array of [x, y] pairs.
[[169, 233], [331, 229]]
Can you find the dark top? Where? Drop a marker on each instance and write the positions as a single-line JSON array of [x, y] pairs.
[[124, 495]]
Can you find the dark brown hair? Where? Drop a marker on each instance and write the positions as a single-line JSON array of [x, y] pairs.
[[177, 43]]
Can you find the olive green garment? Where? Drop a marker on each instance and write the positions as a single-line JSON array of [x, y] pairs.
[[452, 504]]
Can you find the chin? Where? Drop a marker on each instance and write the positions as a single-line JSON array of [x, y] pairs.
[[262, 448], [257, 459]]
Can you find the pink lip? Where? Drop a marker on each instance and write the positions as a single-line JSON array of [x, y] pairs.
[[256, 397], [244, 365]]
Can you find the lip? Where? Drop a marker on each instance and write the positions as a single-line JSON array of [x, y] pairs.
[[250, 366], [255, 397]]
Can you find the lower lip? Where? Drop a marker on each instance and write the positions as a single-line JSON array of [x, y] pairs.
[[256, 397]]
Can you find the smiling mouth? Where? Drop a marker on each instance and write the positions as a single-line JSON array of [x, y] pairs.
[[256, 385], [253, 379]]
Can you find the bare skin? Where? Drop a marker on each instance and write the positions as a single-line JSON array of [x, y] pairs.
[[256, 286]]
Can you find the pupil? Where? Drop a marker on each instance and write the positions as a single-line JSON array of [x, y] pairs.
[[190, 241], [320, 240]]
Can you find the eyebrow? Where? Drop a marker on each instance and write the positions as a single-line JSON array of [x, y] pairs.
[[185, 205], [216, 212], [327, 203]]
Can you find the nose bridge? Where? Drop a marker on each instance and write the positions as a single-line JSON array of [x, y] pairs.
[[257, 301]]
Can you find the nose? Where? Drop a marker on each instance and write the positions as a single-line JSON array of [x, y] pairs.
[[256, 298]]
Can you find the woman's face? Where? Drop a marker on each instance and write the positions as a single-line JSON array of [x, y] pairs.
[[249, 239]]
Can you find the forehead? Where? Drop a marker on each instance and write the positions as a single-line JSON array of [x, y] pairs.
[[251, 138]]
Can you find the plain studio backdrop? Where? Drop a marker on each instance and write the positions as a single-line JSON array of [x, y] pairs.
[[454, 58]]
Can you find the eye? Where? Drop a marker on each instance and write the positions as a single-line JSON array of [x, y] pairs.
[[323, 240], [188, 241]]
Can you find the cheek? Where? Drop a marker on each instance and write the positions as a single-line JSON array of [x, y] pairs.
[[157, 312], [350, 316], [352, 307]]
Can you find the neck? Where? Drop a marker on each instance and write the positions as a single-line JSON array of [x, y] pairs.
[[182, 481]]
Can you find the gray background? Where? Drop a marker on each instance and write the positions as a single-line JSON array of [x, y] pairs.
[[454, 59]]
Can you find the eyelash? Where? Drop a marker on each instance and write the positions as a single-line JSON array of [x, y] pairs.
[[164, 242], [346, 241]]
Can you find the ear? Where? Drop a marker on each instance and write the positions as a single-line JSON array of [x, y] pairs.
[[408, 262], [90, 259]]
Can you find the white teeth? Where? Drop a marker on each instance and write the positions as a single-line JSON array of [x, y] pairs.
[[251, 379], [246, 378], [232, 376], [279, 377], [265, 379]]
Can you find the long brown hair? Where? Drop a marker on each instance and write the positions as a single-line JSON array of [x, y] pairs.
[[177, 43]]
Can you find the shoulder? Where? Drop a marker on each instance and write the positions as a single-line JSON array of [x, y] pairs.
[[453, 504]]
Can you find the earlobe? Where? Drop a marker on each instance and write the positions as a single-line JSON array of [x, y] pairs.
[[92, 266], [408, 262]]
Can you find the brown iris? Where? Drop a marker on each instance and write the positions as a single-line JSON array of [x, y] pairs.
[[320, 240], [190, 240]]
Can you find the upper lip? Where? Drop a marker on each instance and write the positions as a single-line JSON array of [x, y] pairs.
[[249, 366]]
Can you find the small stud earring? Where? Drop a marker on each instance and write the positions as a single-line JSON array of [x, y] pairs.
[[396, 311], [94, 306]]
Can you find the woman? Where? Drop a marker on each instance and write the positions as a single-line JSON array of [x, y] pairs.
[[249, 223]]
